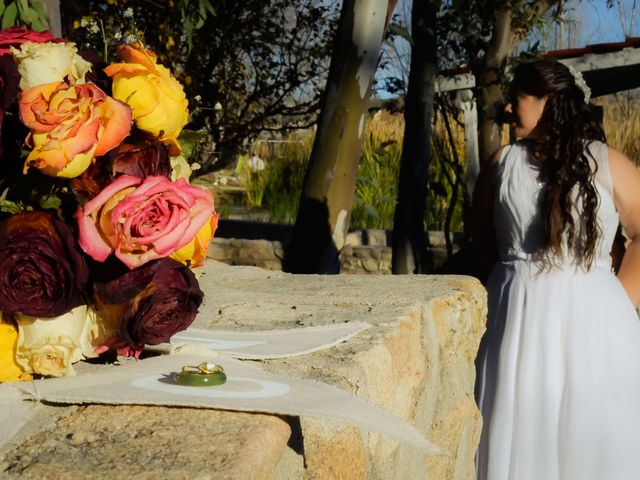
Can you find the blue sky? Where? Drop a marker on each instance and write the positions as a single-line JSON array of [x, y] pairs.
[[587, 22], [591, 21]]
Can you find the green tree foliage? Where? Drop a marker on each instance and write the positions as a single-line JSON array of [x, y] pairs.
[[27, 13], [247, 66]]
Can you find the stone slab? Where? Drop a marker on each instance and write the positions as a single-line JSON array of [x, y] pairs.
[[416, 362], [150, 443]]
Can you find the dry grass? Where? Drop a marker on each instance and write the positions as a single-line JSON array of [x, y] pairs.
[[622, 122], [376, 188]]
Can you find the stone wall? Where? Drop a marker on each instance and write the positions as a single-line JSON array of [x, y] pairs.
[[367, 251]]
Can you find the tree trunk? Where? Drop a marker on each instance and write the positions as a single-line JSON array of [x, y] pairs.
[[488, 84], [489, 74], [53, 9], [325, 206], [410, 241]]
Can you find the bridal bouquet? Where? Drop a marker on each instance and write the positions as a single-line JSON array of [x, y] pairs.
[[99, 226]]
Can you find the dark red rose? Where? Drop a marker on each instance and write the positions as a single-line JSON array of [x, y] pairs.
[[140, 156], [42, 272], [153, 301], [91, 182], [9, 81], [96, 74], [15, 36]]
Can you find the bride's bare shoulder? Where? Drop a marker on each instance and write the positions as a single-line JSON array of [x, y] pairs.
[[626, 189]]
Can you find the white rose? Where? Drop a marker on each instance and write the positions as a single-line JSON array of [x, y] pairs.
[[49, 62], [50, 346]]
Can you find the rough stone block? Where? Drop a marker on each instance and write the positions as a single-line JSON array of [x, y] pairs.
[[149, 443], [416, 362], [370, 265]]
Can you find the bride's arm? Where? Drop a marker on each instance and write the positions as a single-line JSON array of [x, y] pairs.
[[626, 193], [482, 230]]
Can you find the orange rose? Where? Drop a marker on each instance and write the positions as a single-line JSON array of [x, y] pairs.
[[70, 126]]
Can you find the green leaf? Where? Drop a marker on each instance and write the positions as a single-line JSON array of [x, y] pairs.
[[23, 6], [38, 25], [207, 6], [7, 206], [2, 7], [188, 30], [9, 16], [191, 141], [50, 202], [41, 9], [29, 16]]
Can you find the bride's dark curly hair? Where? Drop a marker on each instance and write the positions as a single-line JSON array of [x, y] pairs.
[[567, 125]]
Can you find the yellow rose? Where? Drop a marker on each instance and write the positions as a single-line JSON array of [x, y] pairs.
[[157, 100], [10, 371], [49, 62], [51, 346], [194, 253]]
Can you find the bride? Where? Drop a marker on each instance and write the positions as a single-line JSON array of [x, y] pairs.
[[559, 366]]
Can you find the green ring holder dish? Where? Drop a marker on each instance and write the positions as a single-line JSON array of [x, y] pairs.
[[197, 379], [207, 374]]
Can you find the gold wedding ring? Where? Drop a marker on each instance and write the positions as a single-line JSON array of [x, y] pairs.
[[205, 374]]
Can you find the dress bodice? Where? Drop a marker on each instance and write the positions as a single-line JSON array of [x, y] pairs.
[[517, 214]]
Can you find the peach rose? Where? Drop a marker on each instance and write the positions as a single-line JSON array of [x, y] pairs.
[[142, 220], [70, 126], [157, 99]]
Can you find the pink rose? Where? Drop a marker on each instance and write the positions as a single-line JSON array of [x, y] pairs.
[[141, 220]]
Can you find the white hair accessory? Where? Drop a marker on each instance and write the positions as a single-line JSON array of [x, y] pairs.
[[580, 83]]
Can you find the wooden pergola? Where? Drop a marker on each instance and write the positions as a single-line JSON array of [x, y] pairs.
[[607, 68]]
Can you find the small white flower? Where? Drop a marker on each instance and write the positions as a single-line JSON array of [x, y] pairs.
[[94, 28], [222, 180], [117, 35], [197, 98], [130, 38], [256, 164], [196, 166], [217, 107], [84, 22], [128, 13]]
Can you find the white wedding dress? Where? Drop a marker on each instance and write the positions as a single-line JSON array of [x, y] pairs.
[[559, 367]]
